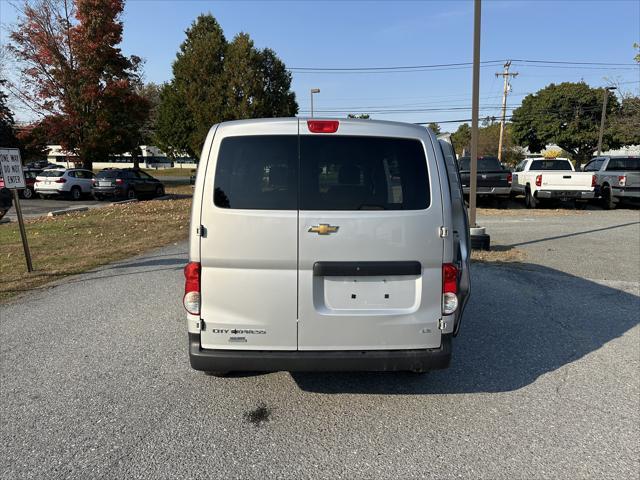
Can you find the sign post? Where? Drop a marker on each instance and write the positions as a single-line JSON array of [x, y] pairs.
[[13, 176]]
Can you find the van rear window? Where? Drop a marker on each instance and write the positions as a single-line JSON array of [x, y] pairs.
[[336, 173], [257, 172], [362, 173]]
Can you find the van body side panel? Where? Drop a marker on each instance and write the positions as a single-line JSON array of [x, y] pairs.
[[393, 308], [249, 255], [193, 321]]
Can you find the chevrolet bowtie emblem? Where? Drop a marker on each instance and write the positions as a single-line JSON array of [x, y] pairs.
[[323, 229]]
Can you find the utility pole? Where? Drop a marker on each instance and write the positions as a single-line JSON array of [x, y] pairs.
[[478, 236], [507, 86], [602, 117], [474, 113]]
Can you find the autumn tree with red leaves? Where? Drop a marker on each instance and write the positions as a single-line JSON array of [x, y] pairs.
[[75, 77]]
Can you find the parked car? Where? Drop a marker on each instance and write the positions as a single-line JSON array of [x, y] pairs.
[[493, 180], [73, 183], [126, 183], [192, 178], [6, 200], [541, 179], [41, 165], [617, 179], [30, 181], [324, 245]]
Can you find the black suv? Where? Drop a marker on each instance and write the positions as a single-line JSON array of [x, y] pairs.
[[127, 183]]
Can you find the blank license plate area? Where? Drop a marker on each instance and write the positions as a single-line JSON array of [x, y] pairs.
[[390, 294]]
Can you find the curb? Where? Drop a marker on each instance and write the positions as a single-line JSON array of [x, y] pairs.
[[5, 220], [55, 213], [121, 202]]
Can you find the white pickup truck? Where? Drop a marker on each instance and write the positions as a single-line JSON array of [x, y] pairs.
[[541, 178]]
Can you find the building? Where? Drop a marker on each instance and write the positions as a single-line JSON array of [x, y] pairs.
[[152, 157]]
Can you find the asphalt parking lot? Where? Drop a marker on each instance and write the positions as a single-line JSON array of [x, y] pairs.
[[544, 381], [39, 207]]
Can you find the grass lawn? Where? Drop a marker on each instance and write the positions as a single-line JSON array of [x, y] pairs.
[[169, 172], [78, 242]]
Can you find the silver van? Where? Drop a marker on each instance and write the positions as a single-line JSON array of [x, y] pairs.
[[327, 245]]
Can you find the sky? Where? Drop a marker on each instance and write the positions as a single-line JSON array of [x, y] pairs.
[[355, 34]]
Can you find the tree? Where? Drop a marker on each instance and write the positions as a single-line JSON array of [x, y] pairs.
[[7, 124], [76, 78], [434, 127], [174, 124], [567, 114], [461, 138], [488, 142], [625, 125], [214, 81]]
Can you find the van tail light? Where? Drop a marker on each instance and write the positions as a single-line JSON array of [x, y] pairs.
[[449, 288], [509, 178], [191, 299], [119, 181], [61, 180], [539, 181], [323, 126], [622, 180]]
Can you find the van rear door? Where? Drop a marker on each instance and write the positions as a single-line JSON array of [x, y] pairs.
[[370, 252], [248, 246]]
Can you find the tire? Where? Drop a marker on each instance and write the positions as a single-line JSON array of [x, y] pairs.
[[131, 194], [75, 193], [608, 202], [529, 200], [27, 194], [217, 374], [159, 191], [480, 242]]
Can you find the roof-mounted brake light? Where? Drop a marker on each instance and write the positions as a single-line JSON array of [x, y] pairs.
[[323, 126]]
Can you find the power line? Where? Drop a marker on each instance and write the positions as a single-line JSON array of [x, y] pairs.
[[573, 63], [405, 67], [463, 65]]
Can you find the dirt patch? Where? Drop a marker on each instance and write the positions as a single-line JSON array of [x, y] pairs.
[[498, 254], [77, 242], [538, 212], [181, 190]]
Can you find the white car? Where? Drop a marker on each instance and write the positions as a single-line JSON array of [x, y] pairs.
[[541, 179], [73, 183], [325, 245]]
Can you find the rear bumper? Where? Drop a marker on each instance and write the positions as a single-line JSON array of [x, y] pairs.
[[561, 194], [107, 191], [49, 191], [325, 361], [488, 190], [626, 192]]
